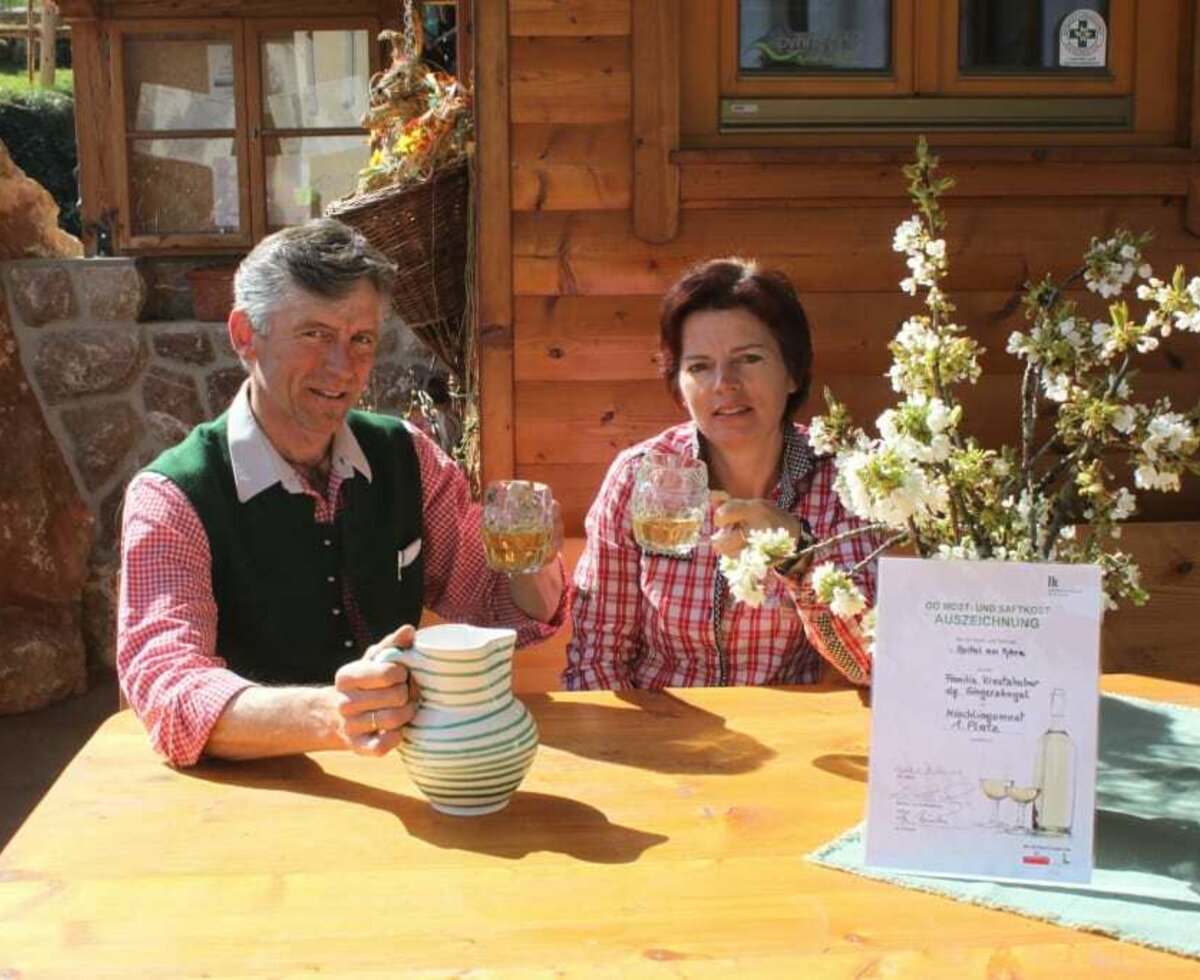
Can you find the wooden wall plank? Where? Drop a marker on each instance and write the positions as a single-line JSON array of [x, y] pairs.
[[570, 80], [992, 247], [494, 240], [590, 422], [155, 9], [585, 422], [78, 10], [764, 183], [567, 167], [1159, 71], [557, 18], [655, 119], [585, 338], [1150, 639], [619, 275], [570, 434], [1011, 227]]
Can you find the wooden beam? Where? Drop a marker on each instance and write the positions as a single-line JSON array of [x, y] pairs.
[[1191, 210], [46, 46], [1159, 639], [1189, 77], [655, 119], [93, 130], [73, 10], [494, 240]]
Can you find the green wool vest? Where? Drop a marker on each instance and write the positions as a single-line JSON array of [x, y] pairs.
[[277, 574]]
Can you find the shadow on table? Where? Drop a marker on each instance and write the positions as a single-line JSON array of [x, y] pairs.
[[532, 822], [1148, 790], [845, 764], [668, 734], [1163, 846]]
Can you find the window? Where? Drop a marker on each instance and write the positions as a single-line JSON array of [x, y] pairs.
[[233, 129], [796, 37], [791, 65]]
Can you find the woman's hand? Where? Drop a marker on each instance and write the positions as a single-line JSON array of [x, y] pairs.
[[734, 519]]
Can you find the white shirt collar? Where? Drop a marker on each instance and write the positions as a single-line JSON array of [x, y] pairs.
[[258, 465]]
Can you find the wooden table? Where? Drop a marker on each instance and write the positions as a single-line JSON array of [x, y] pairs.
[[656, 834]]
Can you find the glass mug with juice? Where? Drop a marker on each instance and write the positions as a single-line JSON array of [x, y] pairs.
[[518, 525], [670, 497]]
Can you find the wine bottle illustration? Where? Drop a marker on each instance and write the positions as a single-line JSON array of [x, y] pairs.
[[1054, 773]]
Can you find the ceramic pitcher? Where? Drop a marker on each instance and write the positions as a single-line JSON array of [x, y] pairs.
[[471, 742]]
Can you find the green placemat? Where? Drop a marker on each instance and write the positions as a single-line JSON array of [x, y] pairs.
[[1146, 884]]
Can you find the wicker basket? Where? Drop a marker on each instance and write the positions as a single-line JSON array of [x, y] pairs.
[[423, 229]]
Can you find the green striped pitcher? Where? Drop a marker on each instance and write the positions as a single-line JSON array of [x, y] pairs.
[[471, 742]]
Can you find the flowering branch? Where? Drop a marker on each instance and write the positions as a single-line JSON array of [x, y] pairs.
[[938, 488]]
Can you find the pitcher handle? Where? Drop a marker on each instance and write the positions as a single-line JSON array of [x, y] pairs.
[[404, 655]]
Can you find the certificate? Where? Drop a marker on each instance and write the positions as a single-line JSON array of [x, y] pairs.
[[985, 699]]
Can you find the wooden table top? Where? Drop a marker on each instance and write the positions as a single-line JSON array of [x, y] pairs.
[[655, 834]]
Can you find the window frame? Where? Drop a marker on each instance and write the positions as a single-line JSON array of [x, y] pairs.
[[900, 80], [256, 31], [249, 132], [198, 30], [1116, 79], [927, 85]]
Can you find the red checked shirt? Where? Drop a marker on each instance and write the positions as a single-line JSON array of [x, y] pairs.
[[172, 674], [649, 621]]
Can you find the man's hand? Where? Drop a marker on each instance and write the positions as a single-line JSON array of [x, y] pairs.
[[734, 519], [376, 697]]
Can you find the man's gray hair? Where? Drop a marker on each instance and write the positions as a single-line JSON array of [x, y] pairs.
[[323, 257]]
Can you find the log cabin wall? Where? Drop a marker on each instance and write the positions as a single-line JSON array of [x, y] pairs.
[[598, 190]]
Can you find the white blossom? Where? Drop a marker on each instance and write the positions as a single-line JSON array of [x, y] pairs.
[[1056, 386], [882, 484], [909, 235], [1124, 505], [820, 438], [834, 587], [1149, 477], [1124, 419], [746, 571]]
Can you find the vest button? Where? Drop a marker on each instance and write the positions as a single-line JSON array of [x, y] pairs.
[[330, 578], [336, 611], [328, 543], [348, 643]]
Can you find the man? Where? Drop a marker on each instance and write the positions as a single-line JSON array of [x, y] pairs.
[[263, 554]]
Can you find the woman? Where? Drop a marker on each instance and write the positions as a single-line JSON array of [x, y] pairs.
[[737, 356]]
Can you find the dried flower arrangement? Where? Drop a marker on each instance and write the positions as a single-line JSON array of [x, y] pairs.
[[413, 202], [419, 119]]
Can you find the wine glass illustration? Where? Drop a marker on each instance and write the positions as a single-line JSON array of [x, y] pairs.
[[996, 790], [1022, 796]]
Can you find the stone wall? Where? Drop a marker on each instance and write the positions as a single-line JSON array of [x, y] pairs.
[[45, 528], [116, 391]]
